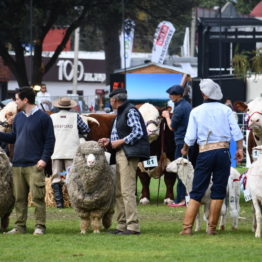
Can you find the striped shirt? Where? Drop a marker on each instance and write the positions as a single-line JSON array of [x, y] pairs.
[[133, 121]]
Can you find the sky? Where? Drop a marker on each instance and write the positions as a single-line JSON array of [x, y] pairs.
[[150, 86]]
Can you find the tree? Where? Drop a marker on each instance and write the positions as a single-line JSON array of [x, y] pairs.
[[18, 30]]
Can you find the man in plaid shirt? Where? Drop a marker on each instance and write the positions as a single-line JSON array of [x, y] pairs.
[[130, 142]]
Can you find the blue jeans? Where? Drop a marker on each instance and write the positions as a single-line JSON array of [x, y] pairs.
[[180, 188]]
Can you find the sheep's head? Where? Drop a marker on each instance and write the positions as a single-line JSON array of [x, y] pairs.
[[90, 154]]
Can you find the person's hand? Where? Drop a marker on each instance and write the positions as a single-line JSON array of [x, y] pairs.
[[117, 143], [184, 150], [41, 164], [103, 142], [166, 114], [239, 156]]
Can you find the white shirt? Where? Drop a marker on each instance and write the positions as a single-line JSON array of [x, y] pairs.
[[212, 122]]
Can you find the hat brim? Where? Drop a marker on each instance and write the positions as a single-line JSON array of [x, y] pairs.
[[56, 104]]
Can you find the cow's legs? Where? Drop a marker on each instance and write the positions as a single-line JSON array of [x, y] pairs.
[[145, 181], [170, 179]]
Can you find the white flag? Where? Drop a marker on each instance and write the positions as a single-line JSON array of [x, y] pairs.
[[126, 43], [162, 38], [186, 47]]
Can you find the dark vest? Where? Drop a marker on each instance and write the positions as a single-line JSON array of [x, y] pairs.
[[141, 148]]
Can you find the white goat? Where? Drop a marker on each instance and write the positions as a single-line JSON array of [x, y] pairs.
[[254, 186], [185, 172]]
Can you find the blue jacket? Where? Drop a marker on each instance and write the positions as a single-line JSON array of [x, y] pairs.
[[180, 119]]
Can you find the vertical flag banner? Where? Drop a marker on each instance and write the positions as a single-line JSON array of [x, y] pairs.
[[186, 46], [162, 38], [126, 43]]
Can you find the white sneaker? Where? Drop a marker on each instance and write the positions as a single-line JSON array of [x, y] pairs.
[[39, 231]]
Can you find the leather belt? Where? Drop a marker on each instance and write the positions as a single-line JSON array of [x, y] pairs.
[[212, 146]]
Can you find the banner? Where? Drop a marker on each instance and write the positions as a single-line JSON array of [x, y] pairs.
[[162, 38], [126, 43]]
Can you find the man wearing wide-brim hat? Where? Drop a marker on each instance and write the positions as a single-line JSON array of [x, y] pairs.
[[212, 125], [67, 127]]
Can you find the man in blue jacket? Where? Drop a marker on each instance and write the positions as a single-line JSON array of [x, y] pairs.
[[178, 124], [33, 139]]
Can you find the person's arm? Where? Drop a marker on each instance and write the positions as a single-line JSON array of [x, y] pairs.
[[11, 136], [239, 156], [83, 127], [133, 121], [49, 139], [166, 115]]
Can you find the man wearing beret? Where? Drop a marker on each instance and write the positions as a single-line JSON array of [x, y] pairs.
[[211, 125], [178, 124], [129, 140]]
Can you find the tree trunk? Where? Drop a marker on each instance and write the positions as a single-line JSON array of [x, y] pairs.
[[112, 48]]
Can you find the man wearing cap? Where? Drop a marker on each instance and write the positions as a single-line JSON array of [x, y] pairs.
[[178, 124], [67, 127], [212, 125], [129, 140]]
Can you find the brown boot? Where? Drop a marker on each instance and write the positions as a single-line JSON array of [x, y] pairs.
[[190, 215], [214, 213]]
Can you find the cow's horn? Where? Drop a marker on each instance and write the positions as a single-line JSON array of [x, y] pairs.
[[91, 119]]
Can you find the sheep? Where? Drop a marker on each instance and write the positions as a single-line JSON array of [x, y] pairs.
[[254, 187], [91, 187], [185, 171], [231, 201], [7, 199]]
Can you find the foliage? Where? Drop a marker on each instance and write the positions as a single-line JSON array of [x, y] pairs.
[[246, 6], [247, 61], [22, 24], [159, 241]]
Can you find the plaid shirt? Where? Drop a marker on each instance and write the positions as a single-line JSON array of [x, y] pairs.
[[81, 125], [133, 121]]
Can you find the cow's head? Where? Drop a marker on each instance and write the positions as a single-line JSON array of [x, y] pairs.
[[254, 115], [152, 120]]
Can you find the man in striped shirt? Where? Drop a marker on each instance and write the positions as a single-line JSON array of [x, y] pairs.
[[130, 142]]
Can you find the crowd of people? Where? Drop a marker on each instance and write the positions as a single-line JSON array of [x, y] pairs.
[[38, 137]]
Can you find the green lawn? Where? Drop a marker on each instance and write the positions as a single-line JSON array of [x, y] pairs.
[[159, 242]]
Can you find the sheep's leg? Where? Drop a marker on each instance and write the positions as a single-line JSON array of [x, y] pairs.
[[258, 216], [84, 224], [96, 223], [107, 219], [198, 222], [254, 221], [206, 214], [223, 215]]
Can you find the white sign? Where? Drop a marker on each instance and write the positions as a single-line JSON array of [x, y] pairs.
[[66, 72], [162, 39], [151, 162]]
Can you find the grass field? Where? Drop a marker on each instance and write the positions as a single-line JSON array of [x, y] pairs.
[[159, 242]]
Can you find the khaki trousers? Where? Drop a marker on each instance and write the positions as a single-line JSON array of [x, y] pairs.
[[126, 208], [58, 166], [29, 179]]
